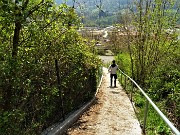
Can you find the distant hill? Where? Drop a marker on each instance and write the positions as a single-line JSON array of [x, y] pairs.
[[109, 13], [107, 5], [89, 9]]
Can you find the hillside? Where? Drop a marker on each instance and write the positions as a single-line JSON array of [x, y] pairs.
[[98, 12], [107, 5]]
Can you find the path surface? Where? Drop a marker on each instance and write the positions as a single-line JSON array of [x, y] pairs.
[[112, 114], [106, 59]]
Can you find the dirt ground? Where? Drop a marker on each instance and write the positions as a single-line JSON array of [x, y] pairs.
[[111, 114], [106, 59]]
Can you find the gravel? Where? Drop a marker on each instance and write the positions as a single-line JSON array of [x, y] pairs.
[[111, 114]]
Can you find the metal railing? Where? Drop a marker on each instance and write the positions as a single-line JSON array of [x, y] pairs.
[[148, 100]]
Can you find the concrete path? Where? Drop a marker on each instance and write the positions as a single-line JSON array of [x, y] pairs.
[[112, 114]]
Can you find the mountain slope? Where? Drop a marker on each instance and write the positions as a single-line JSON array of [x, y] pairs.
[[107, 5], [98, 12]]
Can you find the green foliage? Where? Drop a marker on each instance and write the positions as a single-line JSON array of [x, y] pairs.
[[154, 51], [155, 124], [110, 10], [139, 100], [165, 87], [29, 93], [124, 62]]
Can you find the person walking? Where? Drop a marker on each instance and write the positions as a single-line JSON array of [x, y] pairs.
[[113, 69]]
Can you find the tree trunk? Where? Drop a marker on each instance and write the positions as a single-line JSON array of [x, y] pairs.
[[16, 39]]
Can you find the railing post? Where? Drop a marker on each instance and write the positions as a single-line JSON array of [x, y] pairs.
[[145, 115]]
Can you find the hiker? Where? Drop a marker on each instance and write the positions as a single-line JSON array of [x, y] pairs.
[[113, 69]]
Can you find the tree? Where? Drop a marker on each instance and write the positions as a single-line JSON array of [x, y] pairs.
[[153, 50], [99, 6], [152, 21], [18, 13], [29, 95]]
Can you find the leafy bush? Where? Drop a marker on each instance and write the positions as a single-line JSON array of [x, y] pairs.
[[124, 62], [29, 95], [165, 88]]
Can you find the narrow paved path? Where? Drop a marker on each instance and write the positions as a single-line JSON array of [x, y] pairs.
[[112, 114]]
